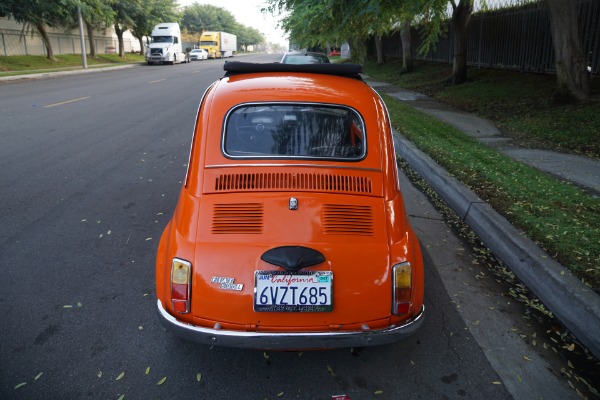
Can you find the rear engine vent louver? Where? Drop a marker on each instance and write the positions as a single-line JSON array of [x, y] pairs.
[[340, 219], [294, 181], [240, 218]]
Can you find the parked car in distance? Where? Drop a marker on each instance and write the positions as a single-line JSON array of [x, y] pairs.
[[198, 54], [290, 231], [304, 57]]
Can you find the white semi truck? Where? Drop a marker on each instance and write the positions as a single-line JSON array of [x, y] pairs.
[[218, 44], [165, 46]]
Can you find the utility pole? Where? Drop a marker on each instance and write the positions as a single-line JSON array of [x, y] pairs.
[[81, 37]]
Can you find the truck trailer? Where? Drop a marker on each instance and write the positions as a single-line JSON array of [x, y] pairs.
[[165, 46], [219, 44]]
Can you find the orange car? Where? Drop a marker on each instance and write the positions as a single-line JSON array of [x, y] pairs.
[[290, 231]]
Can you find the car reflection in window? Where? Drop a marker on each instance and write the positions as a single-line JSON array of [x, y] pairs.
[[294, 131]]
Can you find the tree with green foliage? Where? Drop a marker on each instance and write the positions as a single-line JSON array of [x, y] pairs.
[[96, 14], [206, 17], [151, 13], [309, 22], [198, 18], [315, 24], [36, 15], [125, 14], [312, 23], [247, 36]]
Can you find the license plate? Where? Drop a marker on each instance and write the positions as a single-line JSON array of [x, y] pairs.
[[302, 291]]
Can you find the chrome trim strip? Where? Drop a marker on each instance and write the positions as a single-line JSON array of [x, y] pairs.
[[292, 166], [292, 340]]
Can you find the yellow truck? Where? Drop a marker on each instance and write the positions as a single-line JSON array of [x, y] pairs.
[[218, 44]]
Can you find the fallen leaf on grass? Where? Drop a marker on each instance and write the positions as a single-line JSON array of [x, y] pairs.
[[279, 394], [198, 377], [161, 381], [67, 306], [330, 370], [38, 376], [379, 392], [121, 397], [99, 374], [265, 355], [526, 357], [148, 239], [147, 370], [121, 375], [20, 385], [496, 383]]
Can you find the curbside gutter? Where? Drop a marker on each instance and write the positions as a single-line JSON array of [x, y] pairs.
[[574, 304]]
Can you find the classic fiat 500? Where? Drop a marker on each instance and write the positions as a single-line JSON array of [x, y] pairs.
[[290, 231]]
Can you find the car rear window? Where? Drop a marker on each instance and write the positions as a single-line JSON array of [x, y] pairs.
[[302, 59], [294, 131]]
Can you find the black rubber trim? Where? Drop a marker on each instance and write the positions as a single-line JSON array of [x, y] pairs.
[[347, 70]]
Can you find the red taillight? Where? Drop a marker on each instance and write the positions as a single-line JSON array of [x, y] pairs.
[[181, 272], [402, 289]]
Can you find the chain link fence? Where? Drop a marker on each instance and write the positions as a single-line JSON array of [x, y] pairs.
[[511, 34]]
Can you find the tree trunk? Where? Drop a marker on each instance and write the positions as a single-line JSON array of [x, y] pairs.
[[573, 82], [358, 49], [46, 39], [90, 32], [407, 58], [460, 18], [119, 33], [141, 39], [379, 48]]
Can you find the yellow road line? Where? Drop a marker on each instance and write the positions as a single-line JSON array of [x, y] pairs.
[[66, 102], [157, 81]]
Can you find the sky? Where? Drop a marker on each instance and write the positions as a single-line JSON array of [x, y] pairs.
[[247, 12]]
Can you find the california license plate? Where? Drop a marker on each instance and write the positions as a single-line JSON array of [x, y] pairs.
[[302, 291]]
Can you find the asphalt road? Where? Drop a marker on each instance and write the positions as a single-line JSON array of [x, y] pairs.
[[90, 169]]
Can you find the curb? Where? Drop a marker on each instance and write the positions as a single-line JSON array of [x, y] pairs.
[[574, 304]]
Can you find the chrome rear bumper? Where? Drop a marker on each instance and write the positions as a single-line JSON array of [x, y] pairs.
[[291, 340]]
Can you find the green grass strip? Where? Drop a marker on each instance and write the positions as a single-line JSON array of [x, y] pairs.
[[561, 218]]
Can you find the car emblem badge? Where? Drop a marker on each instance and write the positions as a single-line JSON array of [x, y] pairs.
[[293, 203], [227, 283]]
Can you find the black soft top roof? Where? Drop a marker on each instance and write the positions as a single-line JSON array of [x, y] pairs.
[[348, 70]]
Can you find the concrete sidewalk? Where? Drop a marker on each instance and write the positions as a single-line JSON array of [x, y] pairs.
[[573, 303], [580, 170]]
